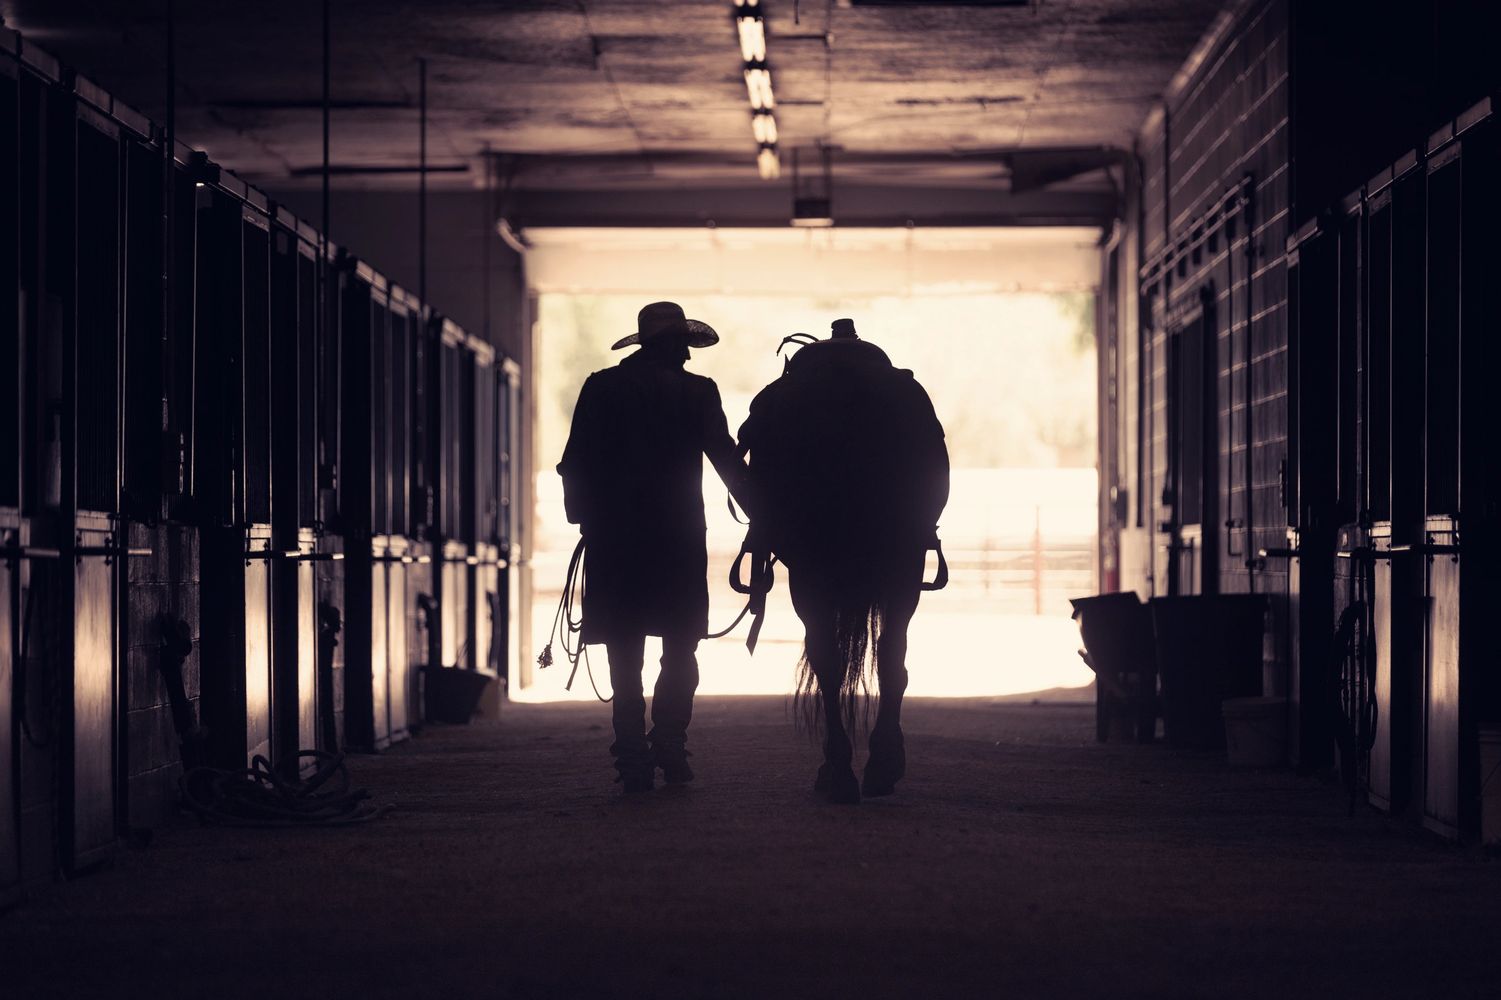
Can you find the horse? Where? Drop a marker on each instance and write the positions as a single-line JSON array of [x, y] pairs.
[[850, 470]]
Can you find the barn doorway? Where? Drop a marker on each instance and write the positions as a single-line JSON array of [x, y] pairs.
[[998, 325]]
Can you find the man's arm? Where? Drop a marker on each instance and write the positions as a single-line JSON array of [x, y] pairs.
[[578, 462], [723, 454]]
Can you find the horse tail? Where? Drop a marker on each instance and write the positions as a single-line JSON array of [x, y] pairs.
[[857, 634]]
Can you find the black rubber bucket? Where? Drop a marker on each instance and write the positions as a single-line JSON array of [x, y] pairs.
[[451, 694], [1208, 649], [1117, 634]]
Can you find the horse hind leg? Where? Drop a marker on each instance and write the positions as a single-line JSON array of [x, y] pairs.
[[888, 752], [821, 650], [836, 776]]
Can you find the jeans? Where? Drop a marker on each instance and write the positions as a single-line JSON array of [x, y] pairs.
[[671, 704]]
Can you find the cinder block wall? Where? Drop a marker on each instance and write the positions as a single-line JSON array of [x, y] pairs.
[[1225, 118], [1229, 120]]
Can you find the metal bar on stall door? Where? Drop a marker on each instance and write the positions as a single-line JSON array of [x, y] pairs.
[[1230, 520], [487, 230], [323, 236], [169, 239], [422, 181], [325, 300], [1248, 223]]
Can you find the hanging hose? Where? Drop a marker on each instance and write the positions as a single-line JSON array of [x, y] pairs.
[[1354, 696], [258, 796]]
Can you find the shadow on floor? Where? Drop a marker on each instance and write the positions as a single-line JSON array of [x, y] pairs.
[[1019, 858]]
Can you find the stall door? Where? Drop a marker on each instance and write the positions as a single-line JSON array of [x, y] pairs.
[[256, 435], [1396, 281], [89, 803], [1313, 425], [379, 703], [507, 437], [1193, 419], [1460, 500], [398, 664], [1441, 730], [10, 475], [486, 513], [10, 789], [257, 654], [397, 363], [91, 482], [1381, 776]]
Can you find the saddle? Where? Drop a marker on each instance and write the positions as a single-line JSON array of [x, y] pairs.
[[846, 455]]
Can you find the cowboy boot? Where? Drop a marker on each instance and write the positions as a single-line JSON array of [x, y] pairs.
[[671, 755], [636, 770]]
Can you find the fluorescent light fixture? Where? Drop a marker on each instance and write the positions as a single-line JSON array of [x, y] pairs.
[[747, 3], [769, 164], [758, 86], [764, 128], [752, 37]]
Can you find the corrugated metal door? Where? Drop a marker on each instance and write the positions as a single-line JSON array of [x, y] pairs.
[[509, 379], [10, 475], [91, 476], [486, 510], [1396, 283], [1313, 422], [379, 704], [1441, 753], [89, 808], [398, 665], [307, 644], [10, 788], [257, 657], [454, 576], [1441, 728], [396, 364], [1462, 500]]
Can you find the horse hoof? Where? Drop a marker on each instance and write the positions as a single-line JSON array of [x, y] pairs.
[[887, 765], [839, 787], [822, 783]]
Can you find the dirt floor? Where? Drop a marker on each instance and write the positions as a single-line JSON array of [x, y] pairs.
[[1018, 859]]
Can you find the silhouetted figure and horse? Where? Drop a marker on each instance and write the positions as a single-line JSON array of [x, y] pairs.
[[847, 475]]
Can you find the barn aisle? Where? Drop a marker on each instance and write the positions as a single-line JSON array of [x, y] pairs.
[[1019, 859]]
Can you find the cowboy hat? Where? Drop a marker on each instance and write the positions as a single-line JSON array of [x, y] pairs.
[[664, 319]]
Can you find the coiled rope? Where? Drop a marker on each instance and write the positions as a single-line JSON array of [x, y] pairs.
[[258, 796], [568, 625], [570, 617]]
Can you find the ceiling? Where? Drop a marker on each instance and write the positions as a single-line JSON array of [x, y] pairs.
[[616, 100]]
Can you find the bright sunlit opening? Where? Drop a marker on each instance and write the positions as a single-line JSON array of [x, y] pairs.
[[1012, 374]]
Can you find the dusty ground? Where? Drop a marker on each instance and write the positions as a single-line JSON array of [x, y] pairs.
[[1019, 859]]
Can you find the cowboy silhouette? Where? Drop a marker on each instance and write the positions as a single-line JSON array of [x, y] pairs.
[[633, 482]]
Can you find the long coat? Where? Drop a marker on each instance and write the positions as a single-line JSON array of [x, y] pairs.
[[633, 481]]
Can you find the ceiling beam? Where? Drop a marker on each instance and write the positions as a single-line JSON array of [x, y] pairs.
[[875, 206]]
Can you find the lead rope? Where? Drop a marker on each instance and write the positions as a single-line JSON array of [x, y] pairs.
[[572, 636]]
